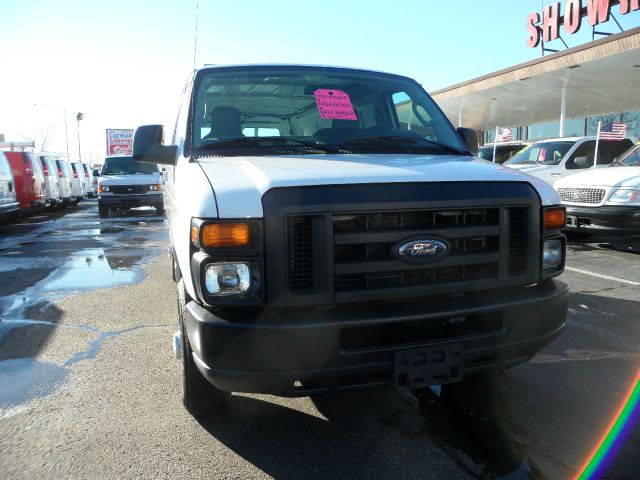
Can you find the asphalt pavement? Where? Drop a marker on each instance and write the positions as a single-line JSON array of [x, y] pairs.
[[89, 387]]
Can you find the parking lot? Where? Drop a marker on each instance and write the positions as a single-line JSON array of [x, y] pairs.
[[89, 387]]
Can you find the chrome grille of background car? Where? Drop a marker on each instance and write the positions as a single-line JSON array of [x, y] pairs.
[[581, 195]]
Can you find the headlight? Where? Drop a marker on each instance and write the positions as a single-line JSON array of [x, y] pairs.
[[552, 254], [227, 278], [103, 188], [625, 195], [155, 188]]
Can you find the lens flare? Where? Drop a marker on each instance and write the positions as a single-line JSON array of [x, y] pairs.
[[614, 436]]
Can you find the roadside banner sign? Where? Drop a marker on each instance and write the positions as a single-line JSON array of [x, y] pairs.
[[119, 141]]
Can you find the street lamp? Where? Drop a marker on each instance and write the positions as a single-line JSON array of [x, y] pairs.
[[79, 117], [66, 128]]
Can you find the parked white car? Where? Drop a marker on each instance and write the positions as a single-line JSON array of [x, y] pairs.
[[556, 158], [604, 200]]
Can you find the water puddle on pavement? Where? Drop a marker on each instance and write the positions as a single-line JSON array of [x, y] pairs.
[[91, 269], [78, 253], [23, 380], [26, 379]]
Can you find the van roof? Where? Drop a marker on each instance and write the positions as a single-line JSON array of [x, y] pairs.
[[260, 66]]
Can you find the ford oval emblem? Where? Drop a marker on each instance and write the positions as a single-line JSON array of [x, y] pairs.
[[423, 250]]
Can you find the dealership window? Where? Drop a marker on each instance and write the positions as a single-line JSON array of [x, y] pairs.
[[632, 119], [574, 127], [592, 122], [488, 136], [544, 130]]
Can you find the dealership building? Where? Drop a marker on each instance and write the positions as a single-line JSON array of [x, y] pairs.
[[565, 93]]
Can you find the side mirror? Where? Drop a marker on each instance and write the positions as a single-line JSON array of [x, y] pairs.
[[582, 162], [470, 138], [95, 172], [148, 146]]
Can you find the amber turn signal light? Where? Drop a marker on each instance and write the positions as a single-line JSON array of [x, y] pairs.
[[225, 235], [555, 218]]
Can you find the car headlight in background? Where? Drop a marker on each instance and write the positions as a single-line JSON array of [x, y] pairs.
[[226, 278], [155, 188], [625, 195], [103, 188], [552, 254]]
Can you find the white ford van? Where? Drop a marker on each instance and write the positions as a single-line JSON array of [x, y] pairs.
[[331, 230]]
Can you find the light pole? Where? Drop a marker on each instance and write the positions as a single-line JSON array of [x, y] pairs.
[[79, 117], [66, 128]]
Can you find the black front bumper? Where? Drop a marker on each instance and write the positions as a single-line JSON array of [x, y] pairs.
[[606, 219], [139, 200], [9, 209], [302, 351]]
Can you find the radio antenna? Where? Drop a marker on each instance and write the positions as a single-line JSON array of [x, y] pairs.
[[195, 37]]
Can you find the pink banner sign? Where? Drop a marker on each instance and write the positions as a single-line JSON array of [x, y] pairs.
[[334, 105]]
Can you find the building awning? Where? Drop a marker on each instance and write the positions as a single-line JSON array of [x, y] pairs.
[[598, 78]]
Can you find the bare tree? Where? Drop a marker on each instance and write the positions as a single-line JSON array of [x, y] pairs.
[[41, 134]]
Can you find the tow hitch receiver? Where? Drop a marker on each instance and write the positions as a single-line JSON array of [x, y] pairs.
[[426, 367]]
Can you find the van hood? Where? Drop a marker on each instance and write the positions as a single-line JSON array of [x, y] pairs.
[[133, 179], [604, 177], [240, 182]]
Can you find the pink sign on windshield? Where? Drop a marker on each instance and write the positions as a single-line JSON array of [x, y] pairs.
[[334, 105], [542, 155]]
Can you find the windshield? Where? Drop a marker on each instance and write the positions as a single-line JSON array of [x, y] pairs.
[[126, 166], [317, 110], [543, 153], [631, 158]]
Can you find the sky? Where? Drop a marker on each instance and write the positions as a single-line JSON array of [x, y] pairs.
[[123, 63]]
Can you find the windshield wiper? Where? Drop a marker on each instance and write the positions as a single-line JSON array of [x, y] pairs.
[[399, 140], [251, 141]]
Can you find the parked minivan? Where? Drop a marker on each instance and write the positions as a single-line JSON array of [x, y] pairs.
[[53, 197], [64, 180], [29, 180], [9, 205], [553, 159]]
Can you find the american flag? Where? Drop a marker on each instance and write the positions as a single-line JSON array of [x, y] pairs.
[[503, 135], [613, 130]]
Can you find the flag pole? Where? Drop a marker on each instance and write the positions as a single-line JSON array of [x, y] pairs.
[[595, 156], [495, 144]]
